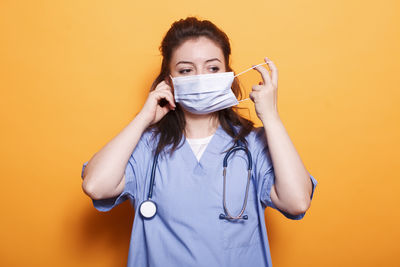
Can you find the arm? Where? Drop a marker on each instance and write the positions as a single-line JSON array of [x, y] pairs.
[[103, 176], [292, 189]]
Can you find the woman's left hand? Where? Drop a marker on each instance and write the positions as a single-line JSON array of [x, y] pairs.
[[264, 95]]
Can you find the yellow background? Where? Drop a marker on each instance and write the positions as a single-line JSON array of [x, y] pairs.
[[74, 73]]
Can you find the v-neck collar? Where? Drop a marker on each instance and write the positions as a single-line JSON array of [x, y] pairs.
[[218, 144]]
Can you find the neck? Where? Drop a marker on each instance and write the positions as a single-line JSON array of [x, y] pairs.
[[200, 126]]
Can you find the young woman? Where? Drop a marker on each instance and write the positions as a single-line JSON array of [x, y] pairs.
[[199, 174]]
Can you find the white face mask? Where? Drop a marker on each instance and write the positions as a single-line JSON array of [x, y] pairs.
[[206, 93]]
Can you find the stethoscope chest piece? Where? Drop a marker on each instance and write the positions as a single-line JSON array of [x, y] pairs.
[[148, 209]]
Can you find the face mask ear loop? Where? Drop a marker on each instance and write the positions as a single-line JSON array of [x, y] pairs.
[[245, 72], [249, 69]]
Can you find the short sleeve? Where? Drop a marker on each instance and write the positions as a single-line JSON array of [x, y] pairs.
[[269, 180], [132, 173], [266, 174]]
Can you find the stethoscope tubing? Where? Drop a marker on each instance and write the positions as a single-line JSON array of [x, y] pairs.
[[234, 149], [227, 214], [238, 146], [153, 175]]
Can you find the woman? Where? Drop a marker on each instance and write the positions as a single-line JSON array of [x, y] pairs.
[[182, 135]]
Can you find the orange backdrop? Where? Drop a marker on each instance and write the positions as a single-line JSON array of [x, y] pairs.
[[74, 73]]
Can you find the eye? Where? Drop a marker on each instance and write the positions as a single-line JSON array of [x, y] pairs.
[[214, 69], [184, 71]]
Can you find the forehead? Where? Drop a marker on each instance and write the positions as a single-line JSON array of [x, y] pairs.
[[197, 50]]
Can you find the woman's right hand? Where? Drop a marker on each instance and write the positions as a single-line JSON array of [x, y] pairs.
[[104, 175], [152, 112]]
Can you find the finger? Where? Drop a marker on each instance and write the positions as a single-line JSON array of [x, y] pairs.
[[162, 85], [164, 110], [163, 102], [264, 74], [170, 99], [256, 88], [274, 71], [165, 95], [168, 81], [171, 107], [166, 107], [166, 88], [251, 96]]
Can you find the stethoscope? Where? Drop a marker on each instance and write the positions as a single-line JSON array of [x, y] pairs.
[[148, 208]]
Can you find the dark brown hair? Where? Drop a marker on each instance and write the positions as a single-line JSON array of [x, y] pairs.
[[172, 126]]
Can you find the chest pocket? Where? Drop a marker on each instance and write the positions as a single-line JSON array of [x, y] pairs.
[[240, 233]]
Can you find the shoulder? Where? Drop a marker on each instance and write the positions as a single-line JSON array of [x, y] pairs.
[[259, 149], [148, 138], [257, 139], [144, 146], [257, 135]]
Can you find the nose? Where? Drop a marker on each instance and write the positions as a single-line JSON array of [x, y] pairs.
[[200, 69]]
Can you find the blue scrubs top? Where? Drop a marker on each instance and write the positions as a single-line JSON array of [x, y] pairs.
[[187, 231]]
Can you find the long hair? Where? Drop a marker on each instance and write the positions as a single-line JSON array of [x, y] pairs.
[[172, 126]]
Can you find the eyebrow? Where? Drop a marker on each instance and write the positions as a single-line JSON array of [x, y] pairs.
[[188, 62]]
